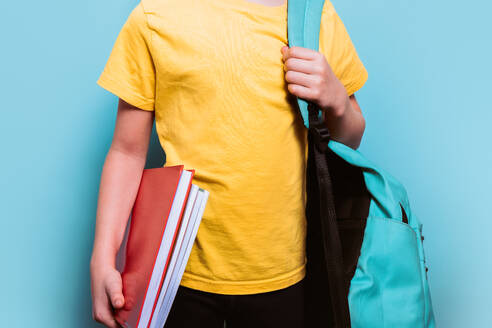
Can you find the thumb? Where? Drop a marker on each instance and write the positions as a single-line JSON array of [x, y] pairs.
[[114, 290]]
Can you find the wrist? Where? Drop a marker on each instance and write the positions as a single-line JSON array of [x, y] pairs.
[[338, 109], [101, 258], [339, 104]]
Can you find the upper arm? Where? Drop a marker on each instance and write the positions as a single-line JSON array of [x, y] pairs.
[[129, 74], [132, 130], [354, 102]]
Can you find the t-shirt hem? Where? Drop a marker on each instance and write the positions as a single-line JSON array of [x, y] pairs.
[[357, 84], [124, 93], [242, 287]]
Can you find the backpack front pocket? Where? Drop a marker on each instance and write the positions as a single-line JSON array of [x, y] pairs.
[[387, 288]]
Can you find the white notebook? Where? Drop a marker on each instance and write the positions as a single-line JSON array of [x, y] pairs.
[[186, 237]]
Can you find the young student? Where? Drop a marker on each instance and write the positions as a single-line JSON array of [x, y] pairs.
[[220, 83]]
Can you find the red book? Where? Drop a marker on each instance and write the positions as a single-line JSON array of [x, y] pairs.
[[155, 220]]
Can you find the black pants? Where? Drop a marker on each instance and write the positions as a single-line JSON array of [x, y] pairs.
[[198, 309]]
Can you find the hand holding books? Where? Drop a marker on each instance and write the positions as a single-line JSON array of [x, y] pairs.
[[162, 229]]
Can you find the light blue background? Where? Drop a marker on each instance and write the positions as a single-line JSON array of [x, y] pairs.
[[428, 117]]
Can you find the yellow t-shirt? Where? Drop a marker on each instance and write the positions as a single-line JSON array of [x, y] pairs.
[[213, 73]]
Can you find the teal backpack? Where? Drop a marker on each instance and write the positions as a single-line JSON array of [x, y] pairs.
[[366, 265]]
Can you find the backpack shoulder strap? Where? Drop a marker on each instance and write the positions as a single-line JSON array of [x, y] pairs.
[[303, 25]]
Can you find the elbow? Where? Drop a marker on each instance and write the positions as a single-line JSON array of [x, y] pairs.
[[360, 132]]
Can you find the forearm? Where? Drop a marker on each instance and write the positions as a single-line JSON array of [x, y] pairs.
[[346, 128], [119, 184]]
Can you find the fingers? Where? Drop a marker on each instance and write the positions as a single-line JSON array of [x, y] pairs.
[[300, 65], [303, 79], [114, 290], [106, 296], [307, 73], [299, 52], [303, 92], [102, 312], [305, 60], [309, 76]]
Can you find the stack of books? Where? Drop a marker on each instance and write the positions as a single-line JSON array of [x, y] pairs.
[[164, 222]]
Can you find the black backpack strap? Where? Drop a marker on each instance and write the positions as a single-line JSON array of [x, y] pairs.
[[320, 191]]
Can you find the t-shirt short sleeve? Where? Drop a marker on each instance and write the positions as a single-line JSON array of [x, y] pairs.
[[336, 45], [129, 72]]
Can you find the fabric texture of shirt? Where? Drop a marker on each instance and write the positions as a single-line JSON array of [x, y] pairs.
[[212, 72]]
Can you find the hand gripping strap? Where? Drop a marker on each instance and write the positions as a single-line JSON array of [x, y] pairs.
[[303, 25]]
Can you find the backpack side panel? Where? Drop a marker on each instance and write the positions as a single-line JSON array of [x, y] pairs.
[[390, 286], [386, 290]]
